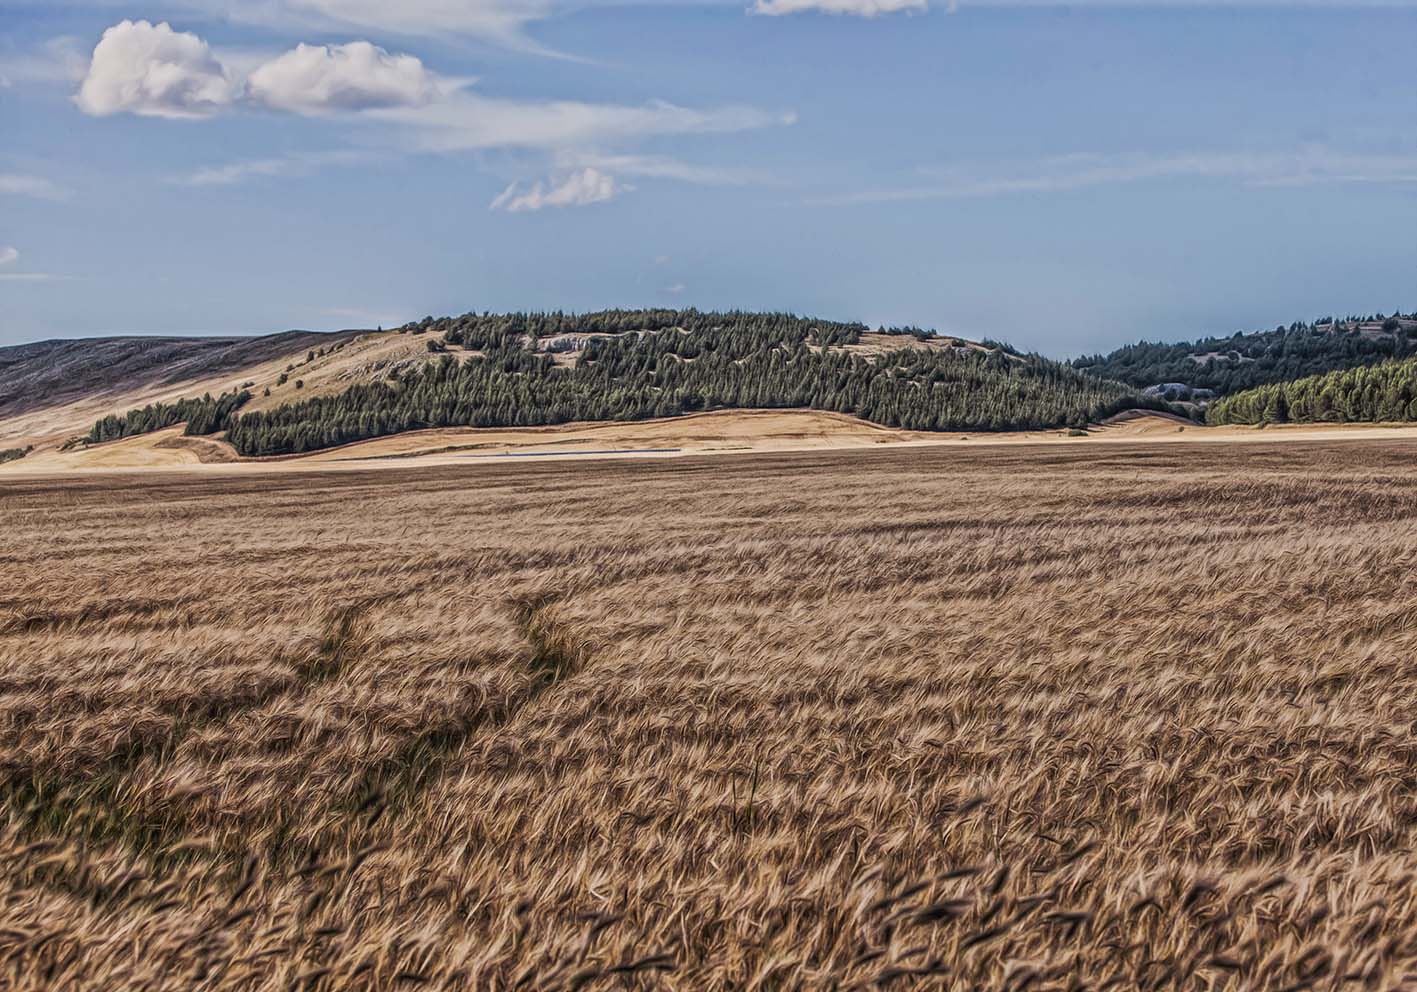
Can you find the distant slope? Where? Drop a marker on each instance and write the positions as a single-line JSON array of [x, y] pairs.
[[523, 370], [53, 373], [57, 390], [1225, 365], [1379, 394]]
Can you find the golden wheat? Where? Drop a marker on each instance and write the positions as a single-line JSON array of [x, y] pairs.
[[1034, 718]]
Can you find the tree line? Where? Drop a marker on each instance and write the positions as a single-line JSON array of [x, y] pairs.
[[202, 416], [663, 363], [1242, 361], [1385, 392], [493, 331]]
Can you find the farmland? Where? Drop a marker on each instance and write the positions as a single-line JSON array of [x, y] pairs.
[[1051, 717]]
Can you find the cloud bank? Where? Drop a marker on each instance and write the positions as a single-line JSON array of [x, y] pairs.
[[153, 71]]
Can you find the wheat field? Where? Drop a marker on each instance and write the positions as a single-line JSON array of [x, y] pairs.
[[1134, 717]]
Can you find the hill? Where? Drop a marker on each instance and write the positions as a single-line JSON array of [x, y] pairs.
[[298, 393], [1382, 393], [1220, 366], [523, 370]]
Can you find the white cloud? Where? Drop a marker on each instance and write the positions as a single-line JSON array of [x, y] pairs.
[[319, 79], [154, 71], [855, 8], [9, 255], [147, 69], [674, 290], [578, 189], [35, 186]]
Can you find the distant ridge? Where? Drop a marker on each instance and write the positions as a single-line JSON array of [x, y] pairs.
[[52, 373], [1225, 365]]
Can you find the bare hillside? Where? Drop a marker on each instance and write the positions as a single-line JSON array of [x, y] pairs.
[[54, 373]]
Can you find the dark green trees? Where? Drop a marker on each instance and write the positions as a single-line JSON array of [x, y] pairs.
[[1374, 393], [1242, 361], [203, 416]]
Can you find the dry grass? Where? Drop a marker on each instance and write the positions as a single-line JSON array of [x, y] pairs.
[[1053, 718]]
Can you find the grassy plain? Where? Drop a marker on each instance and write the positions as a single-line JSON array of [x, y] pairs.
[[1052, 717]]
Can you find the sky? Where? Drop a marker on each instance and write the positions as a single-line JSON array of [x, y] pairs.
[[1067, 177]]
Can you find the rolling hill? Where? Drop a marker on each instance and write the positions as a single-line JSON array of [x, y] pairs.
[[291, 394]]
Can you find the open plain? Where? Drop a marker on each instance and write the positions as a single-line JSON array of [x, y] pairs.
[[1049, 717]]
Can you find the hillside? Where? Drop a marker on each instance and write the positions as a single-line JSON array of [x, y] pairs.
[[1384, 393], [59, 390], [1225, 365], [55, 373], [523, 370]]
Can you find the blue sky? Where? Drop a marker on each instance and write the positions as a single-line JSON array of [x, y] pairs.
[[1068, 177]]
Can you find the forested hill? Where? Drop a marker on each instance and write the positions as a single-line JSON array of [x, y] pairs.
[[1227, 365], [536, 369], [1379, 393]]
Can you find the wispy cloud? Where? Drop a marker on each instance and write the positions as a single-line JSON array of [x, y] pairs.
[[662, 167], [14, 184], [500, 21], [1076, 172], [578, 189], [853, 8], [58, 60], [9, 255], [293, 165], [468, 121]]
